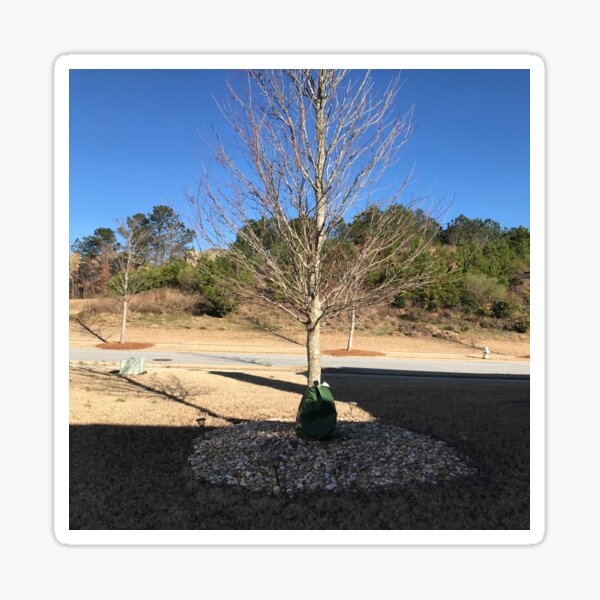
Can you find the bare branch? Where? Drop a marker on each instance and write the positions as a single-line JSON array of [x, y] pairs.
[[314, 147]]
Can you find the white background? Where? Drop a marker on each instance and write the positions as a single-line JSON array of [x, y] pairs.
[[33, 34]]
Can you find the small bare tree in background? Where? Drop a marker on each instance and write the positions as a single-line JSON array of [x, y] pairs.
[[313, 145], [129, 264]]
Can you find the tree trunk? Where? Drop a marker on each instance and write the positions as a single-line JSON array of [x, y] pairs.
[[351, 332], [123, 321], [313, 336], [313, 351]]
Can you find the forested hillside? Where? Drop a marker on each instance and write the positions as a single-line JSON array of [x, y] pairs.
[[480, 269]]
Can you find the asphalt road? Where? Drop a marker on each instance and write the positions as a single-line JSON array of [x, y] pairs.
[[384, 366]]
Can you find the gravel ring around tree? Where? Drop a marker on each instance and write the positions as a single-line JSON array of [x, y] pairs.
[[269, 458]]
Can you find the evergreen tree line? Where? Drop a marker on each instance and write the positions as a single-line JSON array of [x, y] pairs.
[[480, 266]]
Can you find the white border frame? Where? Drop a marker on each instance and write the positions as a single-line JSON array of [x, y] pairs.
[[62, 66]]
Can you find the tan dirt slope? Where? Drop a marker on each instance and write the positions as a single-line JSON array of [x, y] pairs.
[[238, 334]]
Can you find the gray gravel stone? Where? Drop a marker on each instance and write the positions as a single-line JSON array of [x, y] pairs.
[[362, 456]]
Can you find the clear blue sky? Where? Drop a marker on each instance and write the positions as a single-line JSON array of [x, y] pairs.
[[136, 140]]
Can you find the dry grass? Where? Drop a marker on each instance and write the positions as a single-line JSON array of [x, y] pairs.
[[130, 438], [162, 301], [173, 397], [255, 329]]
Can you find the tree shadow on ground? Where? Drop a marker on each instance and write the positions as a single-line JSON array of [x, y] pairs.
[[257, 324], [343, 383], [89, 330], [129, 477], [171, 390], [273, 383], [469, 413], [136, 477]]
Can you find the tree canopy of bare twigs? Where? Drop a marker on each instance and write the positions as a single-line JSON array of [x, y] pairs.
[[313, 149]]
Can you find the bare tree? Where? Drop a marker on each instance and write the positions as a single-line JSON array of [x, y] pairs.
[[129, 264], [74, 270], [313, 149], [91, 260], [424, 228], [351, 330]]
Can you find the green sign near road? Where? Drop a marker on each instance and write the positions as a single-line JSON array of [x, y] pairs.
[[133, 366]]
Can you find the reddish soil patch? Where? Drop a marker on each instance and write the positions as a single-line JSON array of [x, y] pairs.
[[124, 345], [352, 353]]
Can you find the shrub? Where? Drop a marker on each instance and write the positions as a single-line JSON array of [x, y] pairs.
[[221, 303], [521, 325], [483, 311], [188, 279], [482, 289], [432, 302], [205, 278], [399, 301], [469, 303], [501, 309], [463, 326]]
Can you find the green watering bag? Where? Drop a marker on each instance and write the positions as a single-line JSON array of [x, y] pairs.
[[316, 418]]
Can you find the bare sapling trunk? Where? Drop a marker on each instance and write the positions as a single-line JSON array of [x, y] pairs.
[[123, 321], [125, 303], [313, 341], [351, 332], [313, 352], [128, 265]]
